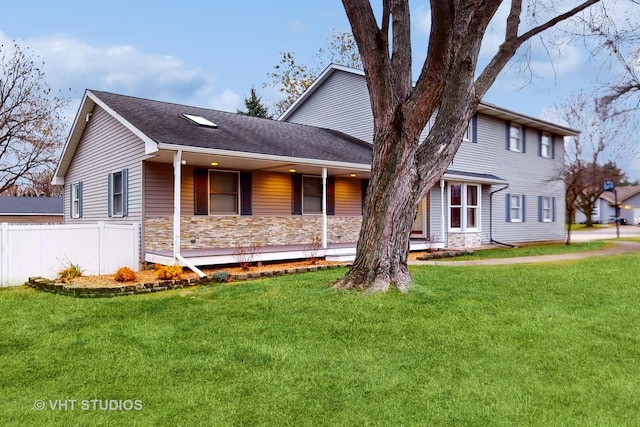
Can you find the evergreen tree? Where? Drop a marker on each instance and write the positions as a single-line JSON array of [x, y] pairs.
[[255, 107]]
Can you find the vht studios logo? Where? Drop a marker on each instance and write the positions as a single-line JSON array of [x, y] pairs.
[[88, 405]]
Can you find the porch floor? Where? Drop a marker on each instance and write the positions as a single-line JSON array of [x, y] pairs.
[[218, 256]]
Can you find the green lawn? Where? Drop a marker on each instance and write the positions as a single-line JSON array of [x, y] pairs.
[[544, 345], [533, 250]]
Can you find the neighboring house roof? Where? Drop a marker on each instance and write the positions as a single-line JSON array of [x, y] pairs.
[[623, 192], [162, 125], [483, 107], [13, 205]]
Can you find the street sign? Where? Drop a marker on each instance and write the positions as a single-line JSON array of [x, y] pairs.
[[608, 185]]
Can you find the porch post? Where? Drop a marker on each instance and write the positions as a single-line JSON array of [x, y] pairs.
[[177, 173], [442, 216], [324, 208]]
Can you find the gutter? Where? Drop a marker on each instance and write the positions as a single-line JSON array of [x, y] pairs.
[[177, 171], [491, 239]]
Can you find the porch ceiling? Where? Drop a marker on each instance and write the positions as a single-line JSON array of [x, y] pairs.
[[250, 164]]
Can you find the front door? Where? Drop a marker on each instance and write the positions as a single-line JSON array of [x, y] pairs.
[[419, 228]]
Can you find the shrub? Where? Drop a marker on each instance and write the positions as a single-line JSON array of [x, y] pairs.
[[221, 276], [245, 255], [312, 249], [168, 272], [124, 274], [69, 273]]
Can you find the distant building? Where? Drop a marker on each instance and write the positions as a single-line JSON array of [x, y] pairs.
[[30, 210]]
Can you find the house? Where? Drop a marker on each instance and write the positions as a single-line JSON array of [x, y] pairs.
[[503, 185], [32, 210], [207, 187], [628, 198]]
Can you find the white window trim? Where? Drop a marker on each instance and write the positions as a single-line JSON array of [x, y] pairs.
[[302, 195], [468, 134], [518, 148], [209, 193], [549, 139], [519, 217], [549, 200], [115, 192], [75, 200], [463, 208]]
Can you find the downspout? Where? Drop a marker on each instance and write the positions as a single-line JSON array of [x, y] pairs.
[[442, 211], [177, 175], [491, 240], [324, 208]]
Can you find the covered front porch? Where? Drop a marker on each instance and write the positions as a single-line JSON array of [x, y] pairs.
[[221, 256]]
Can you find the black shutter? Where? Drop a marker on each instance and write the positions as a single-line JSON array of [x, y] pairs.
[[245, 193], [540, 210], [125, 192], [201, 190], [524, 138], [331, 195], [540, 143], [553, 146], [110, 195], [524, 205], [296, 193], [364, 183], [508, 204], [80, 199]]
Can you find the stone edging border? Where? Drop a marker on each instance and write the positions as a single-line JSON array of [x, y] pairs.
[[80, 291]]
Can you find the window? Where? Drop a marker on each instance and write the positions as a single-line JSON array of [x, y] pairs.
[[223, 193], [468, 134], [464, 207], [516, 208], [76, 200], [311, 195], [546, 149], [547, 208], [117, 189], [516, 138]]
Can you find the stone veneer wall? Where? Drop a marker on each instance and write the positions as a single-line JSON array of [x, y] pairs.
[[464, 240], [200, 232]]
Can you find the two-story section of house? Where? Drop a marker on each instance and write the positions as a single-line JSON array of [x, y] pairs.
[[504, 185]]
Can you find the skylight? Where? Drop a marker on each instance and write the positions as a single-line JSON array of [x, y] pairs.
[[199, 120]]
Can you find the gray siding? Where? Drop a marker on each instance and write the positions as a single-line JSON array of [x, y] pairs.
[[105, 147], [341, 103]]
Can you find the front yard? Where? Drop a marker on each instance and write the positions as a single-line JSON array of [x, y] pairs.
[[506, 345]]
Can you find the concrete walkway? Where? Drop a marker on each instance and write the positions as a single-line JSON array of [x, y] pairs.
[[620, 247]]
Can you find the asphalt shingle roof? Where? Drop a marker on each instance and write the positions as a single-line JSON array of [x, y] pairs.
[[164, 122], [31, 205]]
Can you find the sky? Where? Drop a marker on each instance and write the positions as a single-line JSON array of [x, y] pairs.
[[210, 54]]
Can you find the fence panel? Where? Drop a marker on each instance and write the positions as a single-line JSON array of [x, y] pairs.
[[44, 250]]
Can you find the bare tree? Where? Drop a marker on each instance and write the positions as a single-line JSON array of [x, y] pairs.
[[292, 78], [402, 169], [30, 122], [590, 158]]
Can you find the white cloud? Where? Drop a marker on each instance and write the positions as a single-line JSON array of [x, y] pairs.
[[77, 65], [296, 26], [421, 18]]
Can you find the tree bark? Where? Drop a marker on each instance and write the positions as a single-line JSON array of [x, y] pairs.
[[403, 170]]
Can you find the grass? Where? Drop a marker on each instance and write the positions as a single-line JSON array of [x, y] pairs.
[[555, 344], [534, 250]]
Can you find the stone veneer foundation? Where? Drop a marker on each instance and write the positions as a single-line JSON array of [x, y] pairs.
[[464, 240], [202, 232]]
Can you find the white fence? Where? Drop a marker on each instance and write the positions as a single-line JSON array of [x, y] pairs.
[[43, 250]]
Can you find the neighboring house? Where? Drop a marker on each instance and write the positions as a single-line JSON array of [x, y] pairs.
[[628, 198], [503, 186], [31, 210], [201, 183]]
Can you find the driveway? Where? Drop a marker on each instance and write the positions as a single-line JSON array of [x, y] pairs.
[[608, 232]]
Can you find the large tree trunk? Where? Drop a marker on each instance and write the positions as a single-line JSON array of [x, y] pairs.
[[403, 170], [390, 208]]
